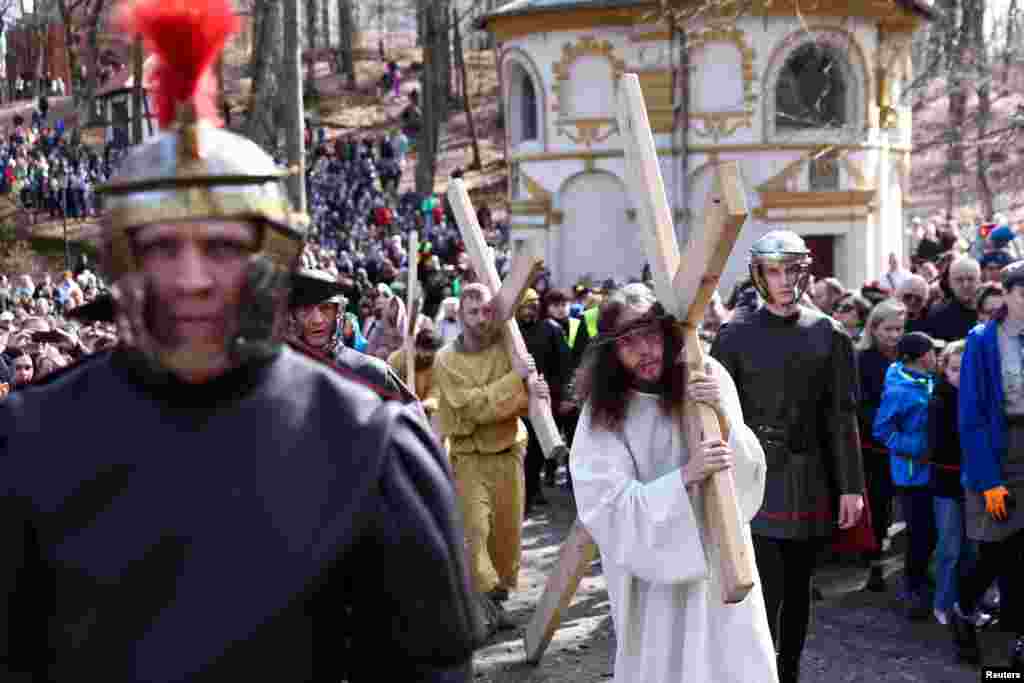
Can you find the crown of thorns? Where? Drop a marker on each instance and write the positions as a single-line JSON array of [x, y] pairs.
[[655, 316]]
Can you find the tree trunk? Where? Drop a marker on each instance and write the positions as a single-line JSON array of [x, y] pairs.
[[1011, 40], [291, 91], [312, 34], [138, 108], [92, 77], [347, 41], [983, 89], [460, 59], [445, 62], [431, 97], [262, 124]]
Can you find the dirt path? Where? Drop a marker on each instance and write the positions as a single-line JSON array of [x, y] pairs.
[[854, 635]]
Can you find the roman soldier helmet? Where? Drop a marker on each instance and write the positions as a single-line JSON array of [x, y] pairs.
[[195, 170], [780, 246], [311, 287]]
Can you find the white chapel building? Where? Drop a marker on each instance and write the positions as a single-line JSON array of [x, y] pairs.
[[806, 98]]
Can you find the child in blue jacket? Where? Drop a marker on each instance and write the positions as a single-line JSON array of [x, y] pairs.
[[902, 425]]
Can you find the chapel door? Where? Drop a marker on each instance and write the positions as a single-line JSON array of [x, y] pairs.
[[823, 250]]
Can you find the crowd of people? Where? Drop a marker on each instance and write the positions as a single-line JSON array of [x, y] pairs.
[[918, 352]]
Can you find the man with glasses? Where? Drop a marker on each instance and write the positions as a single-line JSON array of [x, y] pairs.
[[795, 372], [913, 293], [953, 319]]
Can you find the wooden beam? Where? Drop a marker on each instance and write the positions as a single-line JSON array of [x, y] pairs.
[[526, 267], [482, 258], [683, 287], [574, 558], [412, 309]]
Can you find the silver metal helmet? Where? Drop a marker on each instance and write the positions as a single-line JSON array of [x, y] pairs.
[[780, 246]]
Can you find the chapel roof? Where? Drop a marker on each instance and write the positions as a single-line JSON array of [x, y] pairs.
[[922, 8]]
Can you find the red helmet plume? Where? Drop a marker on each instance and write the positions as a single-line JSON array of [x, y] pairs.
[[186, 36]]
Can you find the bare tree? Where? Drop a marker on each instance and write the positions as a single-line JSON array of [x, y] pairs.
[[69, 10], [431, 15], [291, 91], [94, 15], [460, 59], [262, 121], [347, 40]]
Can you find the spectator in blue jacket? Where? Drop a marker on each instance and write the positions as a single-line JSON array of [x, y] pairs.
[[992, 466], [901, 424]]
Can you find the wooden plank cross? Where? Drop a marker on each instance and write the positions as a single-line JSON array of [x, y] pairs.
[[413, 304], [684, 285], [482, 258]]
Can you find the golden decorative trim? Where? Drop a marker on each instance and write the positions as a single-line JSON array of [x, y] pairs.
[[837, 218], [535, 189], [722, 124], [588, 130], [529, 207], [773, 199], [780, 181], [892, 15], [657, 35], [700, 149], [854, 169]]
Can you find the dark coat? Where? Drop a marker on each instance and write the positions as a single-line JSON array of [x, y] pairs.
[[797, 382], [546, 343], [871, 366], [944, 441], [277, 523], [950, 321]]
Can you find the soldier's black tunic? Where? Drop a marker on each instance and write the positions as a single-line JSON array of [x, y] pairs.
[[276, 524], [797, 382]]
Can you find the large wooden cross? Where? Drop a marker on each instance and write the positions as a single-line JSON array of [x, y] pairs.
[[525, 267], [683, 285]]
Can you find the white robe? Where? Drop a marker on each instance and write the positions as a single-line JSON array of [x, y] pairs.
[[670, 622]]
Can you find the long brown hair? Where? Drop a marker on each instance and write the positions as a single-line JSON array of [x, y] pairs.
[[605, 383]]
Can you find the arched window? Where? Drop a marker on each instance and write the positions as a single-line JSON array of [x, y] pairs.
[[812, 90], [529, 110], [522, 105]]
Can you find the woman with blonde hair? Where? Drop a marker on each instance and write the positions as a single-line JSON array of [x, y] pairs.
[[876, 350]]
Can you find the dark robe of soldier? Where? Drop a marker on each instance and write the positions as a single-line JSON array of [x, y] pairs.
[[203, 503], [798, 388], [267, 525], [796, 374]]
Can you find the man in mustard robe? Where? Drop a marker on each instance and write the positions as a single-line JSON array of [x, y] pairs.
[[483, 393]]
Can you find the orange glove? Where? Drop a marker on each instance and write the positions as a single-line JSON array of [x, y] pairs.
[[995, 502]]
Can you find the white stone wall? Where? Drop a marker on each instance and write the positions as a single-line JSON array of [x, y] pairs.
[[596, 235]]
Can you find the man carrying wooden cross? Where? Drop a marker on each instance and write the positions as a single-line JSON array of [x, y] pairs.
[[796, 375], [483, 393], [639, 490]]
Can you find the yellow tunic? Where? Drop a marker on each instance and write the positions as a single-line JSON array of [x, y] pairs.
[[482, 399]]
